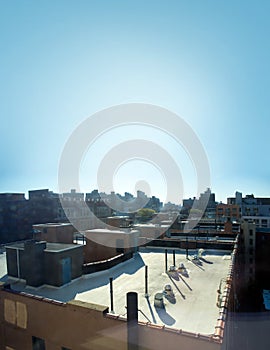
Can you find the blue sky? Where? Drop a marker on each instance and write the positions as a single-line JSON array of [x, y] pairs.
[[207, 61]]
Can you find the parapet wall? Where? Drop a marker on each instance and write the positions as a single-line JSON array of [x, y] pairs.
[[74, 325], [106, 264], [79, 325]]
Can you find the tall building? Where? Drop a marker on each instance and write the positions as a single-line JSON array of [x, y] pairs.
[[206, 204], [17, 214], [15, 223], [252, 208], [225, 211]]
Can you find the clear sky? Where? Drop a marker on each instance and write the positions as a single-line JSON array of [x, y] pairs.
[[206, 60]]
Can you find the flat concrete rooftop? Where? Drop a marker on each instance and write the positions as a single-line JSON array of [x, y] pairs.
[[194, 308]]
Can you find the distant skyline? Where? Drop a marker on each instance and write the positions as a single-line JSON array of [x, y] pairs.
[[207, 61], [135, 194]]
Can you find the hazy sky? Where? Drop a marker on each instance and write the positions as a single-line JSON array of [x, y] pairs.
[[207, 61]]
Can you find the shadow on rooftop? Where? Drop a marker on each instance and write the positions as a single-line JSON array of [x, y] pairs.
[[151, 310], [184, 273], [84, 283], [206, 261], [182, 279], [4, 278], [134, 265], [164, 316], [171, 298], [200, 267], [144, 315], [174, 275], [176, 286]]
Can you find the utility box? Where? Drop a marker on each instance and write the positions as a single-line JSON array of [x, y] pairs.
[[41, 263], [158, 301]]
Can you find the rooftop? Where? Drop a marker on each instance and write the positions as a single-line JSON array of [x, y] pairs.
[[53, 224], [111, 232], [194, 308], [152, 225], [50, 247], [118, 217]]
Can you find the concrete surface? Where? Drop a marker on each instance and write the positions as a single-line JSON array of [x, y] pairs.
[[193, 309]]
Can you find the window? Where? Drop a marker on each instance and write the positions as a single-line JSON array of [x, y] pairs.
[[250, 241], [264, 223], [38, 344], [15, 313], [250, 232]]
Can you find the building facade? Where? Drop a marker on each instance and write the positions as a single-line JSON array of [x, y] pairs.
[[225, 211]]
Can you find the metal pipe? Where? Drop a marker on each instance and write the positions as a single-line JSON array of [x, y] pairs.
[[18, 263], [166, 260], [111, 293], [132, 321], [173, 257], [146, 280]]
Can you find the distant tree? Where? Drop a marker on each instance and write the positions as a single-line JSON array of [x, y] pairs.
[[145, 213]]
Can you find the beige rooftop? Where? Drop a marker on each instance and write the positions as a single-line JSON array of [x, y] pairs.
[[194, 308]]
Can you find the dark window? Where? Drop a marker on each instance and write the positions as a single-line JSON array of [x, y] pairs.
[[38, 344], [250, 232], [250, 241], [264, 223]]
